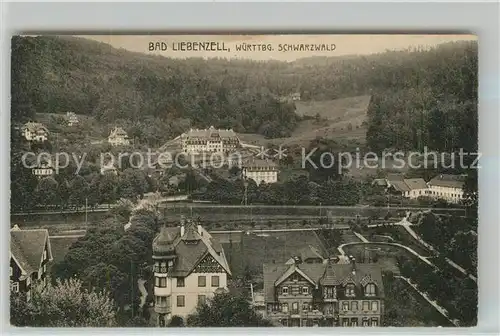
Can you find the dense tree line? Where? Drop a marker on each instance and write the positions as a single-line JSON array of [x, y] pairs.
[[414, 90], [112, 259], [454, 237], [298, 191], [456, 293], [433, 102], [91, 78]]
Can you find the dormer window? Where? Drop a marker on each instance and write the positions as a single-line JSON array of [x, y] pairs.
[[370, 289], [349, 290]]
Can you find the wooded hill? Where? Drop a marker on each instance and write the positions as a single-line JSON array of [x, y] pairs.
[[412, 91]]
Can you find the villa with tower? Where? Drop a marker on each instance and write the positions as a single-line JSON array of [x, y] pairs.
[[189, 267]]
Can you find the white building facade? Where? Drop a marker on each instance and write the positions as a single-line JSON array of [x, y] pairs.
[[210, 140], [190, 266], [260, 171], [33, 131], [447, 187], [118, 137]]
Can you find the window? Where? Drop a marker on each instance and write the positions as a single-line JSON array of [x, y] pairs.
[[180, 301], [44, 268], [14, 286], [305, 290], [44, 254], [345, 305], [163, 267], [284, 290], [161, 282], [354, 322], [305, 306], [374, 305], [374, 322], [202, 281], [349, 290], [202, 299], [366, 322], [284, 308], [354, 305], [345, 322], [370, 290], [162, 301], [366, 305], [11, 273], [215, 281], [180, 282], [284, 322], [295, 308]]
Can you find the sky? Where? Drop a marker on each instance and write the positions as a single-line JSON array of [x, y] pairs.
[[338, 45]]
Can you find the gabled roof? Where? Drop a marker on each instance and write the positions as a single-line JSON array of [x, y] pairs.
[[34, 127], [189, 254], [27, 246], [324, 274], [449, 181], [258, 163], [392, 177], [291, 270], [416, 183], [400, 186], [210, 132]]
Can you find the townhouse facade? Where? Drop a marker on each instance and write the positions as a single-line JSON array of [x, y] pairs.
[[327, 294], [30, 253], [189, 267]]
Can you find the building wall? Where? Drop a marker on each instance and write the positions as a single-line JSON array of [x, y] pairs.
[[453, 195], [416, 193], [190, 291], [356, 312], [268, 176]]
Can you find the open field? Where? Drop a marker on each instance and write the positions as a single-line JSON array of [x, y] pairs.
[[253, 250], [351, 109], [340, 119]]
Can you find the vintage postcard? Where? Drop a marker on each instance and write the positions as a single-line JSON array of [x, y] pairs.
[[244, 180]]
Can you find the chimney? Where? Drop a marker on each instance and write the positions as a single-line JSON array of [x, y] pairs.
[[200, 232], [182, 225], [353, 263]]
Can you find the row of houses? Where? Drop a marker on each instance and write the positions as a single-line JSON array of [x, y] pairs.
[[443, 186], [190, 266]]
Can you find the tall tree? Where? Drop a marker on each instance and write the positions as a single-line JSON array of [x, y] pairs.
[[226, 310], [65, 304]]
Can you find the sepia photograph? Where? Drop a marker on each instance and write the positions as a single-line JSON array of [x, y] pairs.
[[278, 180]]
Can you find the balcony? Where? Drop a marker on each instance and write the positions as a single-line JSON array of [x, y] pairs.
[[163, 309]]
